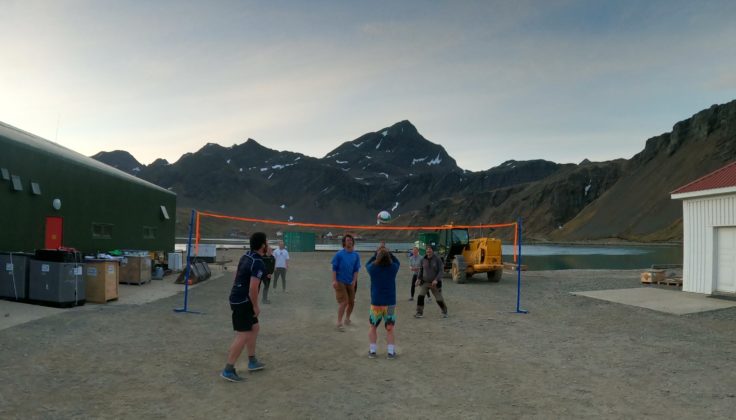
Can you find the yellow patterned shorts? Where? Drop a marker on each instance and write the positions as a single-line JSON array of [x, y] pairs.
[[383, 312]]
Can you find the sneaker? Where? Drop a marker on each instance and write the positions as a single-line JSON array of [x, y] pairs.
[[348, 322], [444, 315], [371, 355], [391, 356], [411, 299], [340, 328], [418, 315], [255, 365], [231, 375]]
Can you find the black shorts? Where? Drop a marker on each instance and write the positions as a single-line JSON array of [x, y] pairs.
[[243, 316]]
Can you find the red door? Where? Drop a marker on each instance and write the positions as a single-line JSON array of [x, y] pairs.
[[53, 232]]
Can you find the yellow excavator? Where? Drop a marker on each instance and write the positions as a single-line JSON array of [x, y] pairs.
[[465, 257]]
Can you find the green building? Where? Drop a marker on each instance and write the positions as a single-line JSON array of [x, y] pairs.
[[51, 196], [299, 241]]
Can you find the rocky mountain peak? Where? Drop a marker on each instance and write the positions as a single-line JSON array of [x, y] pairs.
[[119, 159]]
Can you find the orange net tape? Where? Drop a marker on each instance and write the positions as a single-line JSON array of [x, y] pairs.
[[351, 227]]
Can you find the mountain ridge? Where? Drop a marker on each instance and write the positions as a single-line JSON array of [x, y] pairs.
[[397, 169]]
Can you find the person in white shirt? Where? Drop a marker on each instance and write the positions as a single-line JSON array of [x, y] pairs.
[[282, 264]]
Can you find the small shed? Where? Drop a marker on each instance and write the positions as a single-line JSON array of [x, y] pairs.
[[299, 241], [709, 232]]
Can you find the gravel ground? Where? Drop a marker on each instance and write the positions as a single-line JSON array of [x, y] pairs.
[[568, 357]]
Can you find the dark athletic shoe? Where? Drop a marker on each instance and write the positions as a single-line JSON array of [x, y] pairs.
[[371, 355], [255, 365], [230, 375], [418, 315], [391, 356]]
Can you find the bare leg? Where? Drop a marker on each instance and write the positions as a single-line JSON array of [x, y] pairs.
[[350, 306], [236, 347], [372, 334], [390, 334], [251, 337], [341, 312]]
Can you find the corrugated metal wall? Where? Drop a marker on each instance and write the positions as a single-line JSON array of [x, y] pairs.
[[299, 241], [91, 194], [700, 218]]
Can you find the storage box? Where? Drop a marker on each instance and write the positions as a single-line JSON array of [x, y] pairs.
[[653, 276], [56, 283], [14, 270], [135, 270], [175, 261], [204, 252], [102, 278]]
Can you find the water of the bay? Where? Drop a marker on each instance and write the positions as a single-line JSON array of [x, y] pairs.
[[547, 257], [565, 257]]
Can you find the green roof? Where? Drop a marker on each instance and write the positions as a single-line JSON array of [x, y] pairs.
[[32, 141]]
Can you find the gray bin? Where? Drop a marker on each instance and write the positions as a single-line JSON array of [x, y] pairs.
[[14, 270], [57, 283]]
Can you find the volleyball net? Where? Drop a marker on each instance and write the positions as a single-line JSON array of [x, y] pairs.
[[197, 218]]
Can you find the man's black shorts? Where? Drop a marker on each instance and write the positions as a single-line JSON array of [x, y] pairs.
[[243, 316]]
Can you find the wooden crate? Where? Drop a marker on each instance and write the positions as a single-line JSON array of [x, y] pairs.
[[135, 270], [652, 276], [101, 278]]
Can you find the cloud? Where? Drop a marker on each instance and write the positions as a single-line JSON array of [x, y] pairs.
[[162, 79]]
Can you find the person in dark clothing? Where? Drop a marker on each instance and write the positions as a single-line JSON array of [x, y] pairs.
[[270, 263], [430, 278], [382, 268], [245, 308]]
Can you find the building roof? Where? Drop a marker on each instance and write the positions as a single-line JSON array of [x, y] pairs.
[[724, 177], [35, 142]]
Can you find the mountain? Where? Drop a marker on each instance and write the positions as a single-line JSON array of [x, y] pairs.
[[120, 159], [397, 169], [638, 206]]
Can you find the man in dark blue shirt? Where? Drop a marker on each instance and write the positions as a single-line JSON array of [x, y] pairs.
[[244, 306], [382, 269]]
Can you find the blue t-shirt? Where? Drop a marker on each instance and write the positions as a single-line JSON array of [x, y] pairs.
[[345, 264], [250, 265], [383, 282]]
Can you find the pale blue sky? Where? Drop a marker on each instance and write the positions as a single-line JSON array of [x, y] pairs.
[[488, 80]]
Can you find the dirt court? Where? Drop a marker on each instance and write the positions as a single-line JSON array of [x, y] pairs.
[[569, 357]]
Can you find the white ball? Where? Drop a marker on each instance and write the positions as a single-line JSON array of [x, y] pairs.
[[383, 217]]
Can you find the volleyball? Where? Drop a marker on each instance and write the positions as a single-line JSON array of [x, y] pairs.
[[383, 217]]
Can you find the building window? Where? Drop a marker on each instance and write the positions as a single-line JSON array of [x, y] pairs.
[[5, 174], [17, 185], [149, 232], [164, 213], [102, 230], [35, 188]]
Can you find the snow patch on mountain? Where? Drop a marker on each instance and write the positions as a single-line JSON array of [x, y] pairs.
[[435, 161]]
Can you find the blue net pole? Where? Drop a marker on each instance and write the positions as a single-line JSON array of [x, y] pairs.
[[189, 265], [518, 272]]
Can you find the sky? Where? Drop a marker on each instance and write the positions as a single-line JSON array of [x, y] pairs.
[[561, 80]]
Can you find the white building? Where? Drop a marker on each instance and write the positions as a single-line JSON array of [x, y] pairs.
[[709, 224]]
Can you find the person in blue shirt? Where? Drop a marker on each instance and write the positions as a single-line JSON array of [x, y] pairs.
[[345, 268], [245, 308], [382, 268]]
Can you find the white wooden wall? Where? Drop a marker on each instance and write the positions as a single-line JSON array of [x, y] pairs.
[[700, 217]]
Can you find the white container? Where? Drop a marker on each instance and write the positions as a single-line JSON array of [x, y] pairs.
[[207, 252], [175, 261]]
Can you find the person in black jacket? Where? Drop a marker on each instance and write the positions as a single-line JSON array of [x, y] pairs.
[[270, 263]]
